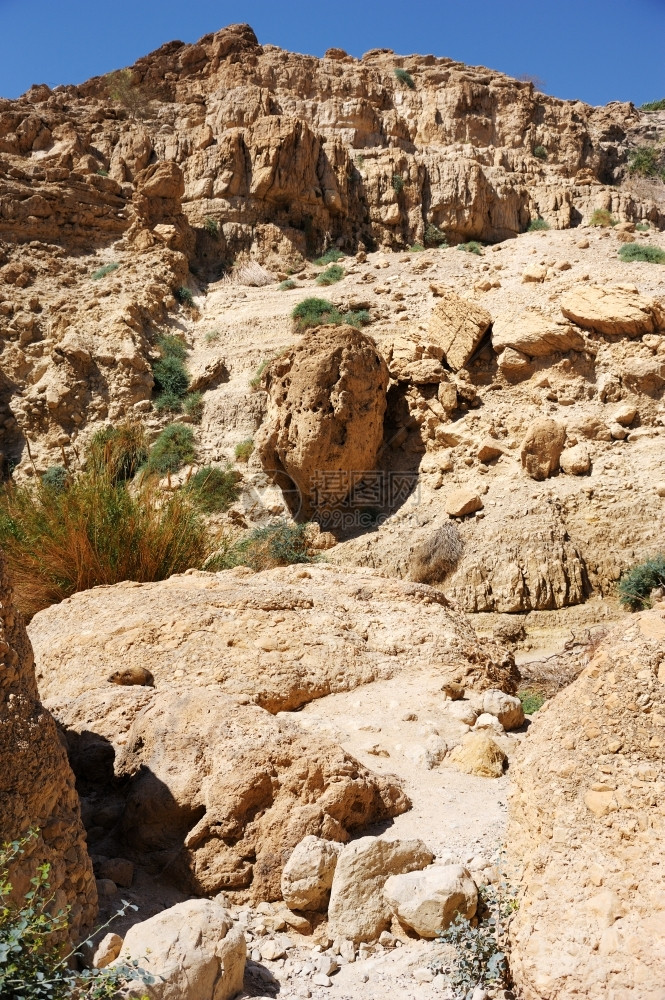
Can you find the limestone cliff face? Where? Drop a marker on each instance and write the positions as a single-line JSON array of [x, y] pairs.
[[36, 781]]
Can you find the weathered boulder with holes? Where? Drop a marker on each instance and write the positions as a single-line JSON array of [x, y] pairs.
[[36, 782], [533, 333], [308, 874], [358, 908], [324, 421], [541, 448], [427, 901], [619, 311], [191, 951], [457, 326]]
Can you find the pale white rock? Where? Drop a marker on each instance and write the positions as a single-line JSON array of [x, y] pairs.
[[427, 901], [575, 461], [271, 950], [487, 721], [506, 707], [107, 951], [320, 979], [463, 711], [308, 874], [192, 950], [534, 334], [625, 414]]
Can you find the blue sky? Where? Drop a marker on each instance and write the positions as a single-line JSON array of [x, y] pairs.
[[593, 50]]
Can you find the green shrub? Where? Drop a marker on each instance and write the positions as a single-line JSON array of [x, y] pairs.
[[405, 78], [331, 275], [537, 225], [96, 532], [173, 447], [531, 701], [171, 346], [184, 296], [213, 489], [644, 162], [359, 161], [286, 286], [132, 96], [540, 152], [632, 252], [636, 585], [34, 963], [654, 105], [212, 336], [192, 404], [211, 227], [243, 450], [434, 237], [170, 376], [168, 402], [356, 318], [602, 217], [56, 478], [329, 257], [102, 173], [643, 227], [398, 183], [471, 247], [279, 544], [117, 452], [317, 312], [103, 271], [416, 248]]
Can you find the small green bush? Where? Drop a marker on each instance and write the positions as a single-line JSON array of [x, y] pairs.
[[56, 478], [211, 227], [471, 247], [117, 452], [192, 404], [531, 701], [356, 318], [540, 152], [633, 252], [643, 227], [243, 450], [405, 78], [644, 162], [184, 296], [103, 271], [398, 183], [329, 257], [286, 286], [318, 312], [359, 161], [280, 544], [331, 275], [654, 105], [173, 447], [537, 225], [636, 585], [172, 346], [168, 402], [434, 237], [213, 489], [416, 248], [602, 217], [170, 376]]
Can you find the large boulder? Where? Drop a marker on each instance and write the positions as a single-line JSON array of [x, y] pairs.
[[358, 909], [324, 421], [457, 326], [534, 334], [191, 951], [586, 828], [541, 448], [308, 874], [615, 311], [36, 782], [282, 637], [427, 901]]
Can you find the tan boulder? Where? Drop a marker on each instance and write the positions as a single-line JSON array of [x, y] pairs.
[[575, 461], [463, 501], [428, 901], [36, 781], [358, 909], [625, 414], [504, 707], [489, 450], [541, 448], [409, 359], [307, 876], [586, 825], [533, 333], [479, 754], [191, 951], [514, 363], [457, 327], [612, 311], [324, 421], [536, 274]]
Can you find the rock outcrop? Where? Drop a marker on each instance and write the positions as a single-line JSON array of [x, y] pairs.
[[586, 827], [457, 327], [541, 448], [613, 311], [36, 781]]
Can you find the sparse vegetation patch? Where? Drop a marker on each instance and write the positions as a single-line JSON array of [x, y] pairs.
[[635, 252], [603, 218], [531, 701], [184, 296], [329, 257], [286, 286], [645, 162], [172, 449], [537, 225], [213, 489], [471, 247], [654, 105], [331, 275], [636, 585], [398, 183], [211, 227], [103, 271], [434, 237], [319, 312], [540, 152], [280, 544], [405, 78], [243, 450]]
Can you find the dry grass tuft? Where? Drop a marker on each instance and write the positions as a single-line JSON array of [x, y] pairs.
[[437, 556]]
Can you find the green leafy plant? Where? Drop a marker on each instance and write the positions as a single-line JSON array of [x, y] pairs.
[[643, 227], [359, 161], [35, 964], [603, 218], [329, 257], [531, 700], [356, 318], [103, 271], [313, 312], [286, 286], [117, 452], [184, 296], [56, 478], [637, 252], [170, 374], [540, 152], [405, 78], [192, 404], [644, 161], [434, 237], [636, 585], [211, 227], [538, 225], [280, 544], [398, 183], [332, 274], [243, 450], [471, 247], [653, 105], [214, 489], [102, 173], [416, 248], [173, 447]]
